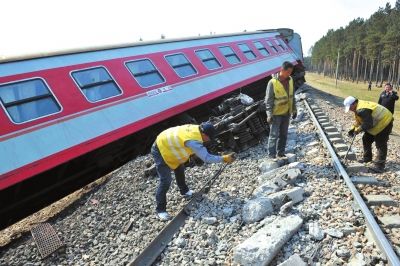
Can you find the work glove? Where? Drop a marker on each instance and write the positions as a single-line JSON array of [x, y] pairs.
[[294, 115], [269, 119], [357, 130], [351, 132], [229, 158]]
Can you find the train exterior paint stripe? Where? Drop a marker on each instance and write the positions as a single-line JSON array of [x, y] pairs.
[[14, 68], [55, 138]]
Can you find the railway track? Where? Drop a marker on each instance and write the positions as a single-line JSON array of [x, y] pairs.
[[332, 143], [154, 249]]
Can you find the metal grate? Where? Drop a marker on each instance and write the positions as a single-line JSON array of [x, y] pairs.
[[46, 239]]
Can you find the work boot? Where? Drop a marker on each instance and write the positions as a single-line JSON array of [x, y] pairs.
[[379, 167], [281, 154]]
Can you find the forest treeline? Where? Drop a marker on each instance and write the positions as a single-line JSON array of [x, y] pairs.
[[368, 49]]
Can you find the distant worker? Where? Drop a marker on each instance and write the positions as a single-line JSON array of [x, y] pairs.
[[369, 85], [172, 148], [388, 97], [377, 122], [280, 104]]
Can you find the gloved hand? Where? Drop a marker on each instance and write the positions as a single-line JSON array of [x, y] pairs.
[[357, 130], [269, 119], [294, 115], [351, 132], [229, 158]]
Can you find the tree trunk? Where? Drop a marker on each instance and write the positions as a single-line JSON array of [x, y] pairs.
[[358, 68], [382, 72], [365, 70], [377, 70], [398, 75], [371, 70], [393, 77], [353, 67]]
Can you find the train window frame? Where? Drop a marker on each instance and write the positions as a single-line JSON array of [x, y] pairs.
[[245, 52], [233, 53], [94, 67], [271, 45], [148, 72], [203, 60], [262, 48], [282, 44], [50, 94], [180, 65]]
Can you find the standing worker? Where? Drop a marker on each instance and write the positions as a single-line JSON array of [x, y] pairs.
[[388, 98], [377, 122], [172, 148], [280, 104], [369, 85]]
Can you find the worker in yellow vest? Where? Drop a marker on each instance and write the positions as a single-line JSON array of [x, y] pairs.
[[172, 148], [377, 122], [280, 105]]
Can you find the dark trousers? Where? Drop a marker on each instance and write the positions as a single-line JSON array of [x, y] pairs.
[[164, 174], [278, 135], [380, 140]]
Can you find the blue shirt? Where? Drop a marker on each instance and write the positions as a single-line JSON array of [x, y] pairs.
[[201, 152]]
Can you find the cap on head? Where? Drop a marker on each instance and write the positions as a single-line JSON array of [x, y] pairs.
[[348, 102], [208, 129]]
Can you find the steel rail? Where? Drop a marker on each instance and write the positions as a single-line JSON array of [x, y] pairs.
[[160, 242], [376, 231]]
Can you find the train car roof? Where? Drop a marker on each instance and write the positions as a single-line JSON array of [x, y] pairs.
[[285, 32]]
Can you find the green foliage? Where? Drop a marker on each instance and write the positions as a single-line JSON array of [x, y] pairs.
[[368, 48]]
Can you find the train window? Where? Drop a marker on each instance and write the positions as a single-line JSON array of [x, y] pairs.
[[28, 100], [208, 59], [181, 65], [145, 73], [282, 44], [230, 55], [272, 46], [247, 51], [96, 84], [260, 47]]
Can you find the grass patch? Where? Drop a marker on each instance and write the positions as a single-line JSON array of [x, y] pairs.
[[346, 88]]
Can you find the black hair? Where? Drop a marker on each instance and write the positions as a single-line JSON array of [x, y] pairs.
[[287, 65], [389, 85]]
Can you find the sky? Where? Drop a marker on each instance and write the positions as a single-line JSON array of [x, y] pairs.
[[36, 26]]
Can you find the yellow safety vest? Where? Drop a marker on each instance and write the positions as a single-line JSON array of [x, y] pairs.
[[171, 143], [381, 117], [283, 103]]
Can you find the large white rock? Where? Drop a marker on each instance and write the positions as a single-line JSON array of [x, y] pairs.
[[265, 189], [293, 260], [263, 246], [315, 231], [268, 165], [256, 209], [279, 198]]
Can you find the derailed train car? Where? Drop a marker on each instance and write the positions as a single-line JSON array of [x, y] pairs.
[[68, 118]]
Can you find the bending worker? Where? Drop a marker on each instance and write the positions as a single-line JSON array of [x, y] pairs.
[[377, 122], [280, 104], [172, 148]]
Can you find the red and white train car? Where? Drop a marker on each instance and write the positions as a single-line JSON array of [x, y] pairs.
[[68, 118]]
